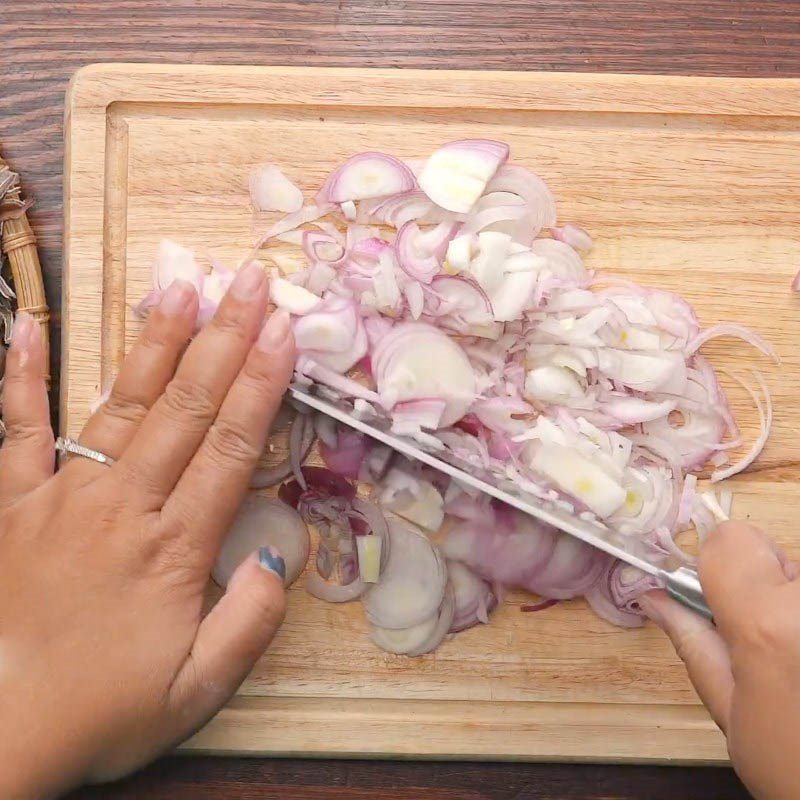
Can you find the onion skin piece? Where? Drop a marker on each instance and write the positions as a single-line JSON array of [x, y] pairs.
[[796, 282]]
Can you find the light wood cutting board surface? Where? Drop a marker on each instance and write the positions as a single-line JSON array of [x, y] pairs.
[[691, 184]]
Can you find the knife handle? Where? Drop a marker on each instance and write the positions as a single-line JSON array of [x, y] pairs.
[[684, 585]]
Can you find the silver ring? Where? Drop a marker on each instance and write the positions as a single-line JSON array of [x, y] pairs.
[[72, 447]]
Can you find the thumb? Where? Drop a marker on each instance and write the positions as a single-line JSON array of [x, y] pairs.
[[701, 649], [231, 639]]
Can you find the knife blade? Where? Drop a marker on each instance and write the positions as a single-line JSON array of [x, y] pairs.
[[682, 583]]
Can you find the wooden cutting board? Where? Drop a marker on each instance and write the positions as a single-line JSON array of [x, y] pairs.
[[692, 184]]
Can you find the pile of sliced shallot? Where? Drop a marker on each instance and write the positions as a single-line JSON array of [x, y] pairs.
[[441, 295]]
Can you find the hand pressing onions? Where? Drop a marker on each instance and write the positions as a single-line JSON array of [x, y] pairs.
[[445, 297]]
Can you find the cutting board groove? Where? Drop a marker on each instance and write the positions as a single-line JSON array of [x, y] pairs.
[[692, 184]]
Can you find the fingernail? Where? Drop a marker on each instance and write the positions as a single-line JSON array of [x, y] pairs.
[[177, 298], [247, 281], [22, 332], [651, 609], [274, 332], [270, 559]]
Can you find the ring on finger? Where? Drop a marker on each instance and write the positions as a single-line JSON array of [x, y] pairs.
[[67, 446]]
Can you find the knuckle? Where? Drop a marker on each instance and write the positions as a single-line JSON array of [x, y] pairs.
[[124, 407], [229, 321], [158, 333], [258, 376], [21, 432], [139, 475], [185, 399], [228, 440]]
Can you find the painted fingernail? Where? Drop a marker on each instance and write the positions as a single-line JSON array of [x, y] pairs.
[[270, 559], [177, 298], [274, 332], [247, 282], [22, 332]]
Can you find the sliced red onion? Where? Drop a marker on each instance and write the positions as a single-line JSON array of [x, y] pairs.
[[403, 641], [413, 498], [423, 413], [328, 377], [462, 329], [331, 326], [796, 283], [627, 584], [415, 259], [347, 456], [765, 418], [505, 550], [540, 606], [323, 480], [398, 209], [603, 604], [321, 246], [474, 598], [417, 361], [573, 235], [263, 521], [262, 478], [293, 221], [368, 175], [412, 585], [507, 415], [292, 298], [318, 587], [174, 262], [562, 260], [458, 301], [573, 567], [456, 174], [731, 329], [535, 194], [443, 624], [341, 361], [633, 410], [271, 190]]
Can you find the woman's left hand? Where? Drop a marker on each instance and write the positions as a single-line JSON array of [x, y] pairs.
[[106, 659]]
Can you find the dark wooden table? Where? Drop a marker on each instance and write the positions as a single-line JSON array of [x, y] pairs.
[[43, 41]]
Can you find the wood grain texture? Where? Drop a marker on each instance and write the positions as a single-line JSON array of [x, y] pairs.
[[686, 183], [43, 41]]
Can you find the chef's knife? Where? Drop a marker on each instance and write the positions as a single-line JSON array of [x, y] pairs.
[[682, 583]]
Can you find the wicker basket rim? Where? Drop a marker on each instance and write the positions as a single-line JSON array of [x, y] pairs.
[[19, 244]]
